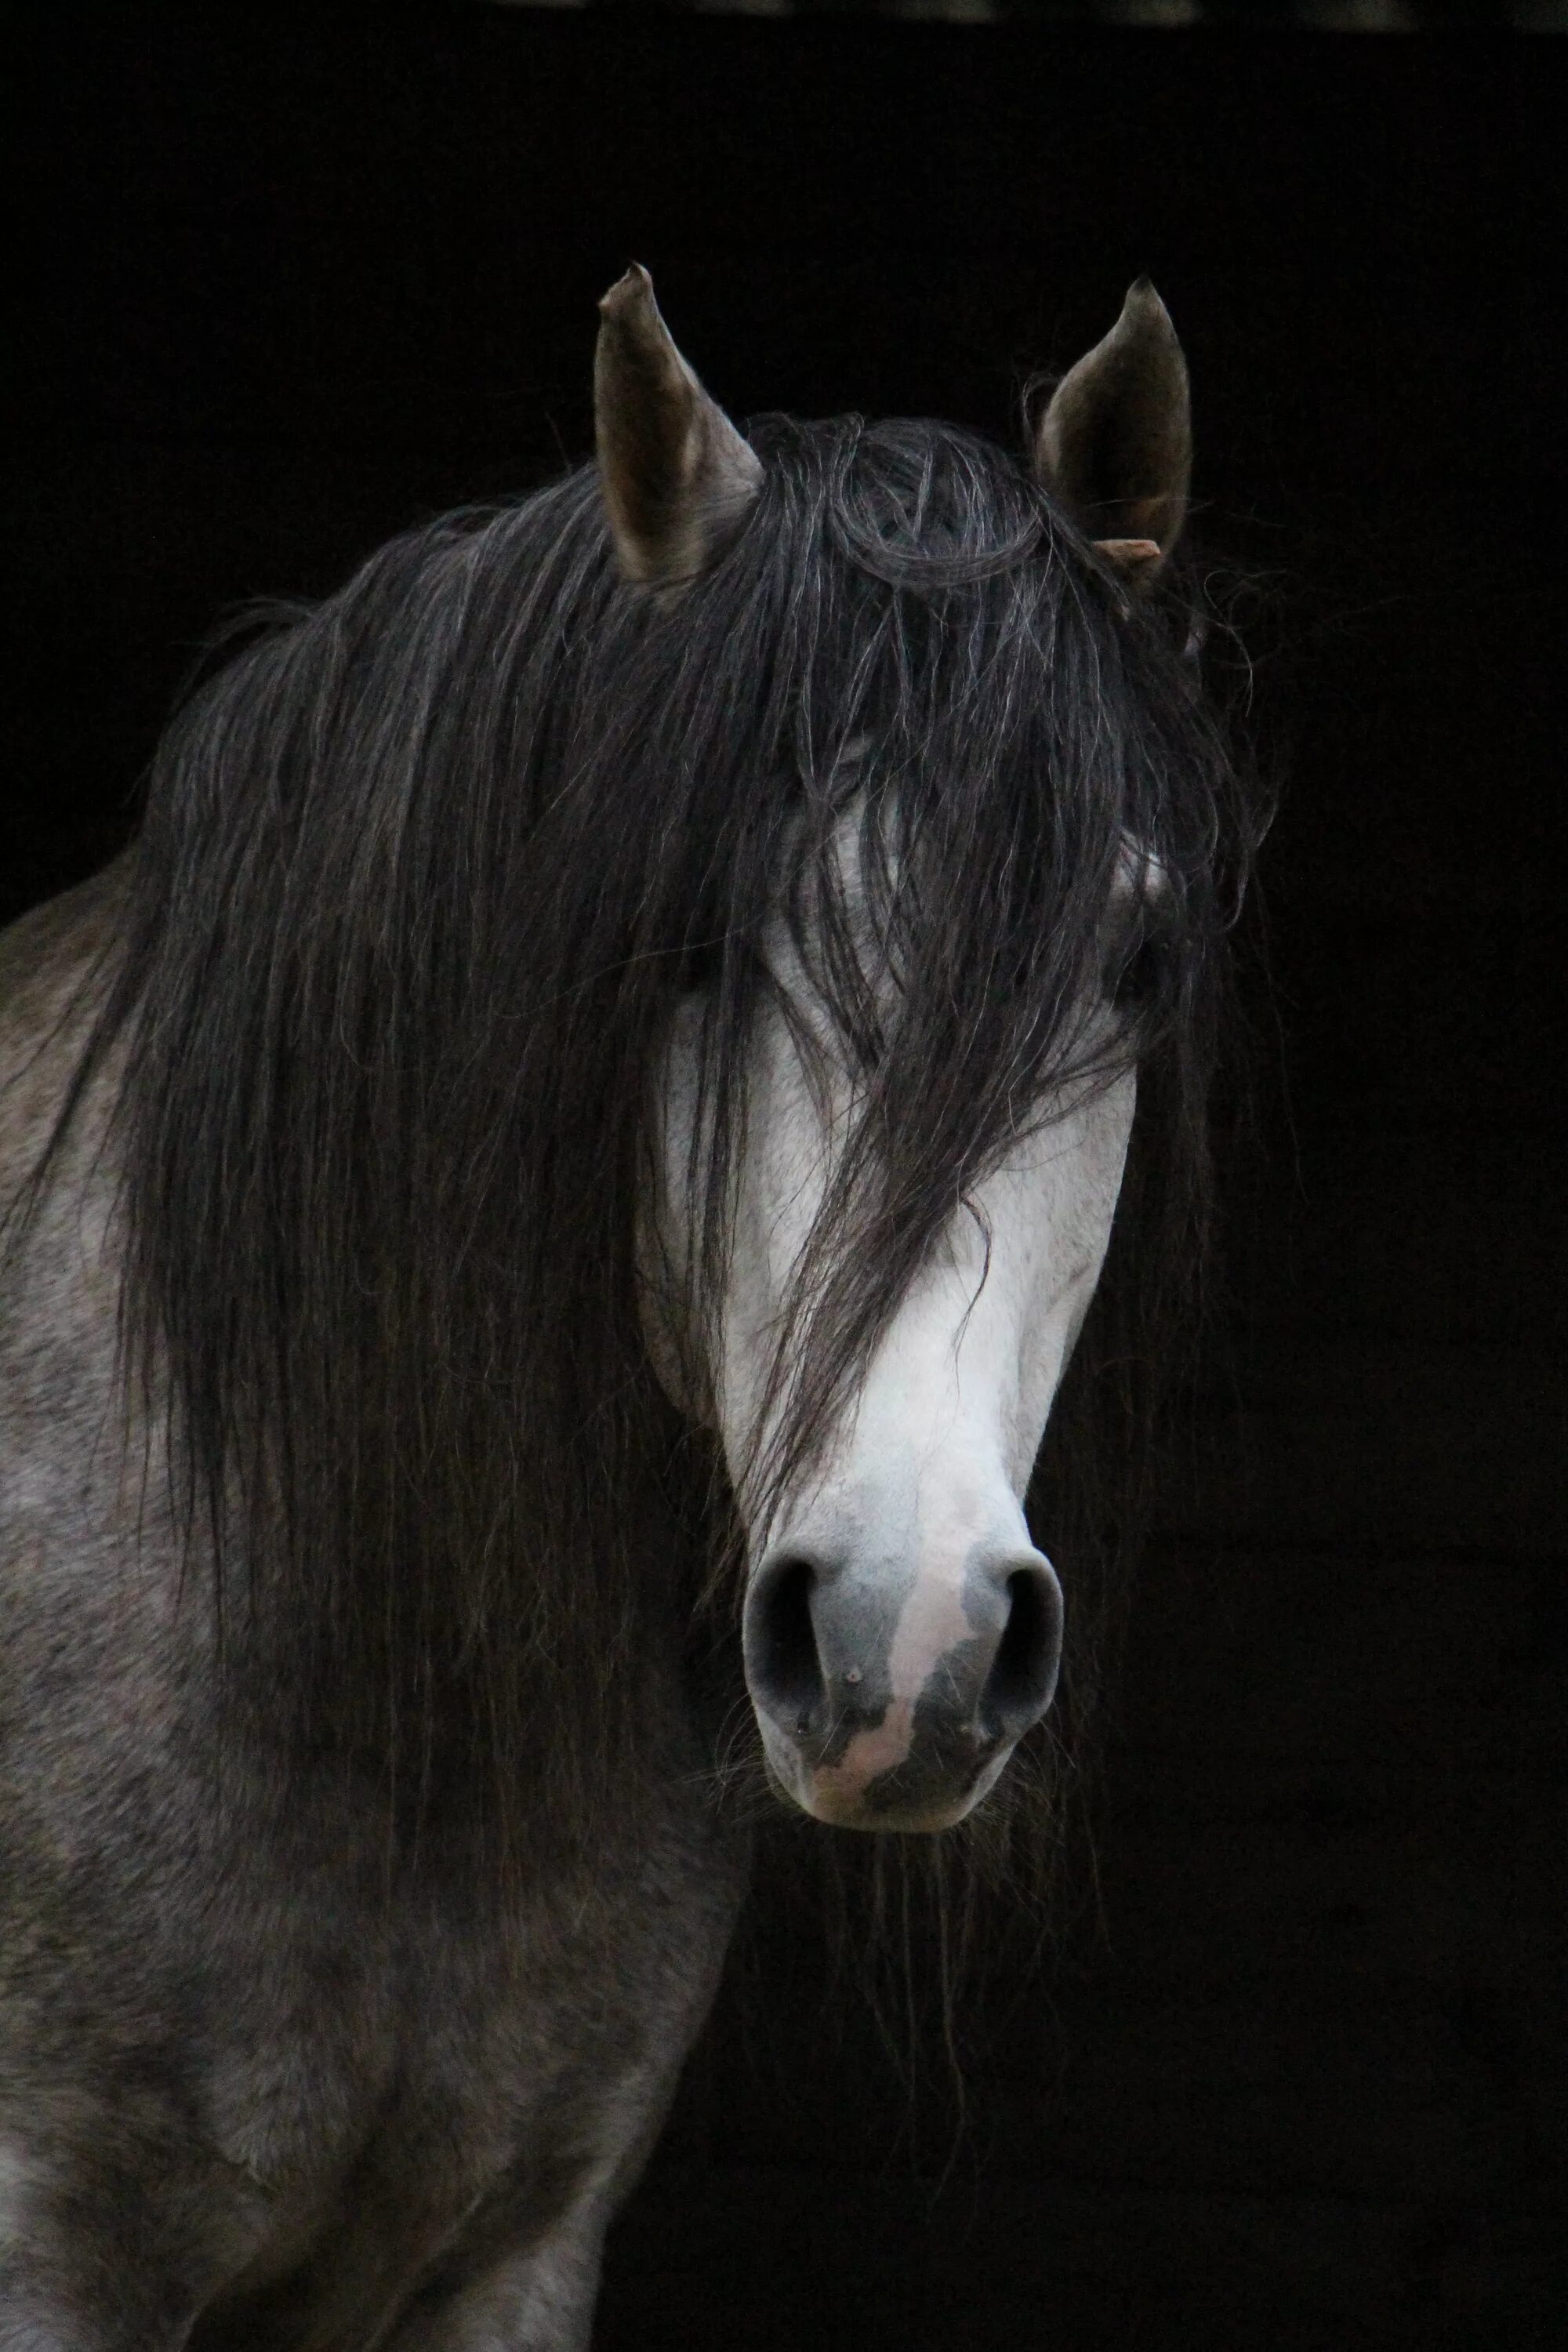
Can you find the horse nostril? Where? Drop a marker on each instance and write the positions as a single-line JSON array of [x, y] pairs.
[[1023, 1676], [782, 1666]]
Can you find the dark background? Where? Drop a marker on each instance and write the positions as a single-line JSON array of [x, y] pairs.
[[1301, 2080]]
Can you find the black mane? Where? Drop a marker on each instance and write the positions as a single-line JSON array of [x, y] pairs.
[[422, 872]]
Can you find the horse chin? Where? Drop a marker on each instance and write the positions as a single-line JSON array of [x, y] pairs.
[[870, 1806]]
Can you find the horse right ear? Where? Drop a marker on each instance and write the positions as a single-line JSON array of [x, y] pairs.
[[678, 481], [1116, 443]]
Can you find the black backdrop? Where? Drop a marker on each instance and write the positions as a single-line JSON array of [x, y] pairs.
[[296, 284]]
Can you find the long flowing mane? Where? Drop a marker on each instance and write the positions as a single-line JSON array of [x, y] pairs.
[[425, 870]]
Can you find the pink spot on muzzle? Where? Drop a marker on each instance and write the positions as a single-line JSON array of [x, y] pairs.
[[931, 1624]]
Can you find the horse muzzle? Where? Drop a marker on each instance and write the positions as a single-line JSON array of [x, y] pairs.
[[889, 1698]]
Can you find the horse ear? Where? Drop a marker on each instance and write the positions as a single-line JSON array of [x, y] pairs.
[[1116, 443], [677, 480]]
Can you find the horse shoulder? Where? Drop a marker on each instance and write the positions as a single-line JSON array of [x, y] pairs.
[[54, 966]]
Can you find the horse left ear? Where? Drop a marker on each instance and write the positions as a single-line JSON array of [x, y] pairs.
[[677, 480], [1116, 443]]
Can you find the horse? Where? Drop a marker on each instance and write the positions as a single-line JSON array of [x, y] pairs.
[[548, 1200]]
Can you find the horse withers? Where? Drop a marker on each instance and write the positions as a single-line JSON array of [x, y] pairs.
[[564, 1171]]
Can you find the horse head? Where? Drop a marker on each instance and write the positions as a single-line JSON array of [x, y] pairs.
[[901, 1629]]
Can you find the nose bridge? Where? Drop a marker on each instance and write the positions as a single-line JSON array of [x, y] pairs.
[[954, 1399]]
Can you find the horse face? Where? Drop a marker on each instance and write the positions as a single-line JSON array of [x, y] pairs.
[[902, 1631]]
